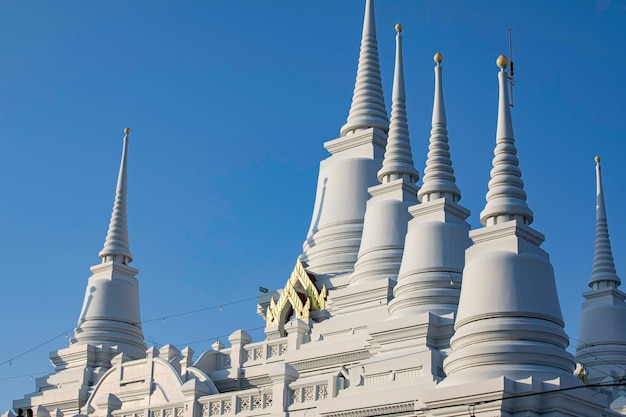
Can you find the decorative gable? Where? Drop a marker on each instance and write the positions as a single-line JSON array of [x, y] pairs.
[[300, 296]]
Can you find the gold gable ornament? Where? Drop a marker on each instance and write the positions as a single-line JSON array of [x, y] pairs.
[[300, 295]]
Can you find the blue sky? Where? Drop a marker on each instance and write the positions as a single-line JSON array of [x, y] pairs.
[[230, 102]]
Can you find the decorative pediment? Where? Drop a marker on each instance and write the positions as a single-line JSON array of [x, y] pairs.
[[301, 294]]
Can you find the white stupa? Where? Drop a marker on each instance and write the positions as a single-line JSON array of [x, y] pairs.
[[509, 320], [602, 340], [394, 308], [109, 324], [425, 299], [110, 314], [434, 255], [386, 215], [334, 237]]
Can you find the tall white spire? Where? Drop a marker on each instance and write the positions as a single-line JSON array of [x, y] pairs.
[[602, 340], [368, 103], [386, 217], [509, 321], [398, 161], [603, 266], [110, 315], [506, 199], [439, 179], [438, 235], [116, 245], [332, 244]]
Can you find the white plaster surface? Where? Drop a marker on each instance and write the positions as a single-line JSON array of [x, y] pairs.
[[434, 319]]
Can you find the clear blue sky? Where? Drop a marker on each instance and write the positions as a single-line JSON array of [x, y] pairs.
[[229, 102]]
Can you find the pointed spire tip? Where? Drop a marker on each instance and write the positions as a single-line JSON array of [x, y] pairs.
[[502, 61]]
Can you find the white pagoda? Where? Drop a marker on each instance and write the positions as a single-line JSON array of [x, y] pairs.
[[394, 308]]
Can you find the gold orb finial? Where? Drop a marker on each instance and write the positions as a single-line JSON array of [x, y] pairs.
[[597, 158], [502, 61], [398, 27], [127, 130], [438, 57]]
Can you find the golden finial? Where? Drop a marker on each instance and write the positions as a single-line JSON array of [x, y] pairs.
[[398, 27], [127, 130], [438, 57], [502, 61], [597, 158]]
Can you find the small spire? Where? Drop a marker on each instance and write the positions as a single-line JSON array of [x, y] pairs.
[[368, 103], [600, 207], [398, 160], [506, 198], [603, 265], [439, 179], [116, 243]]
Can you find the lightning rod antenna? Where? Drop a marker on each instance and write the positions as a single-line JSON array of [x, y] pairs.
[[511, 76]]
